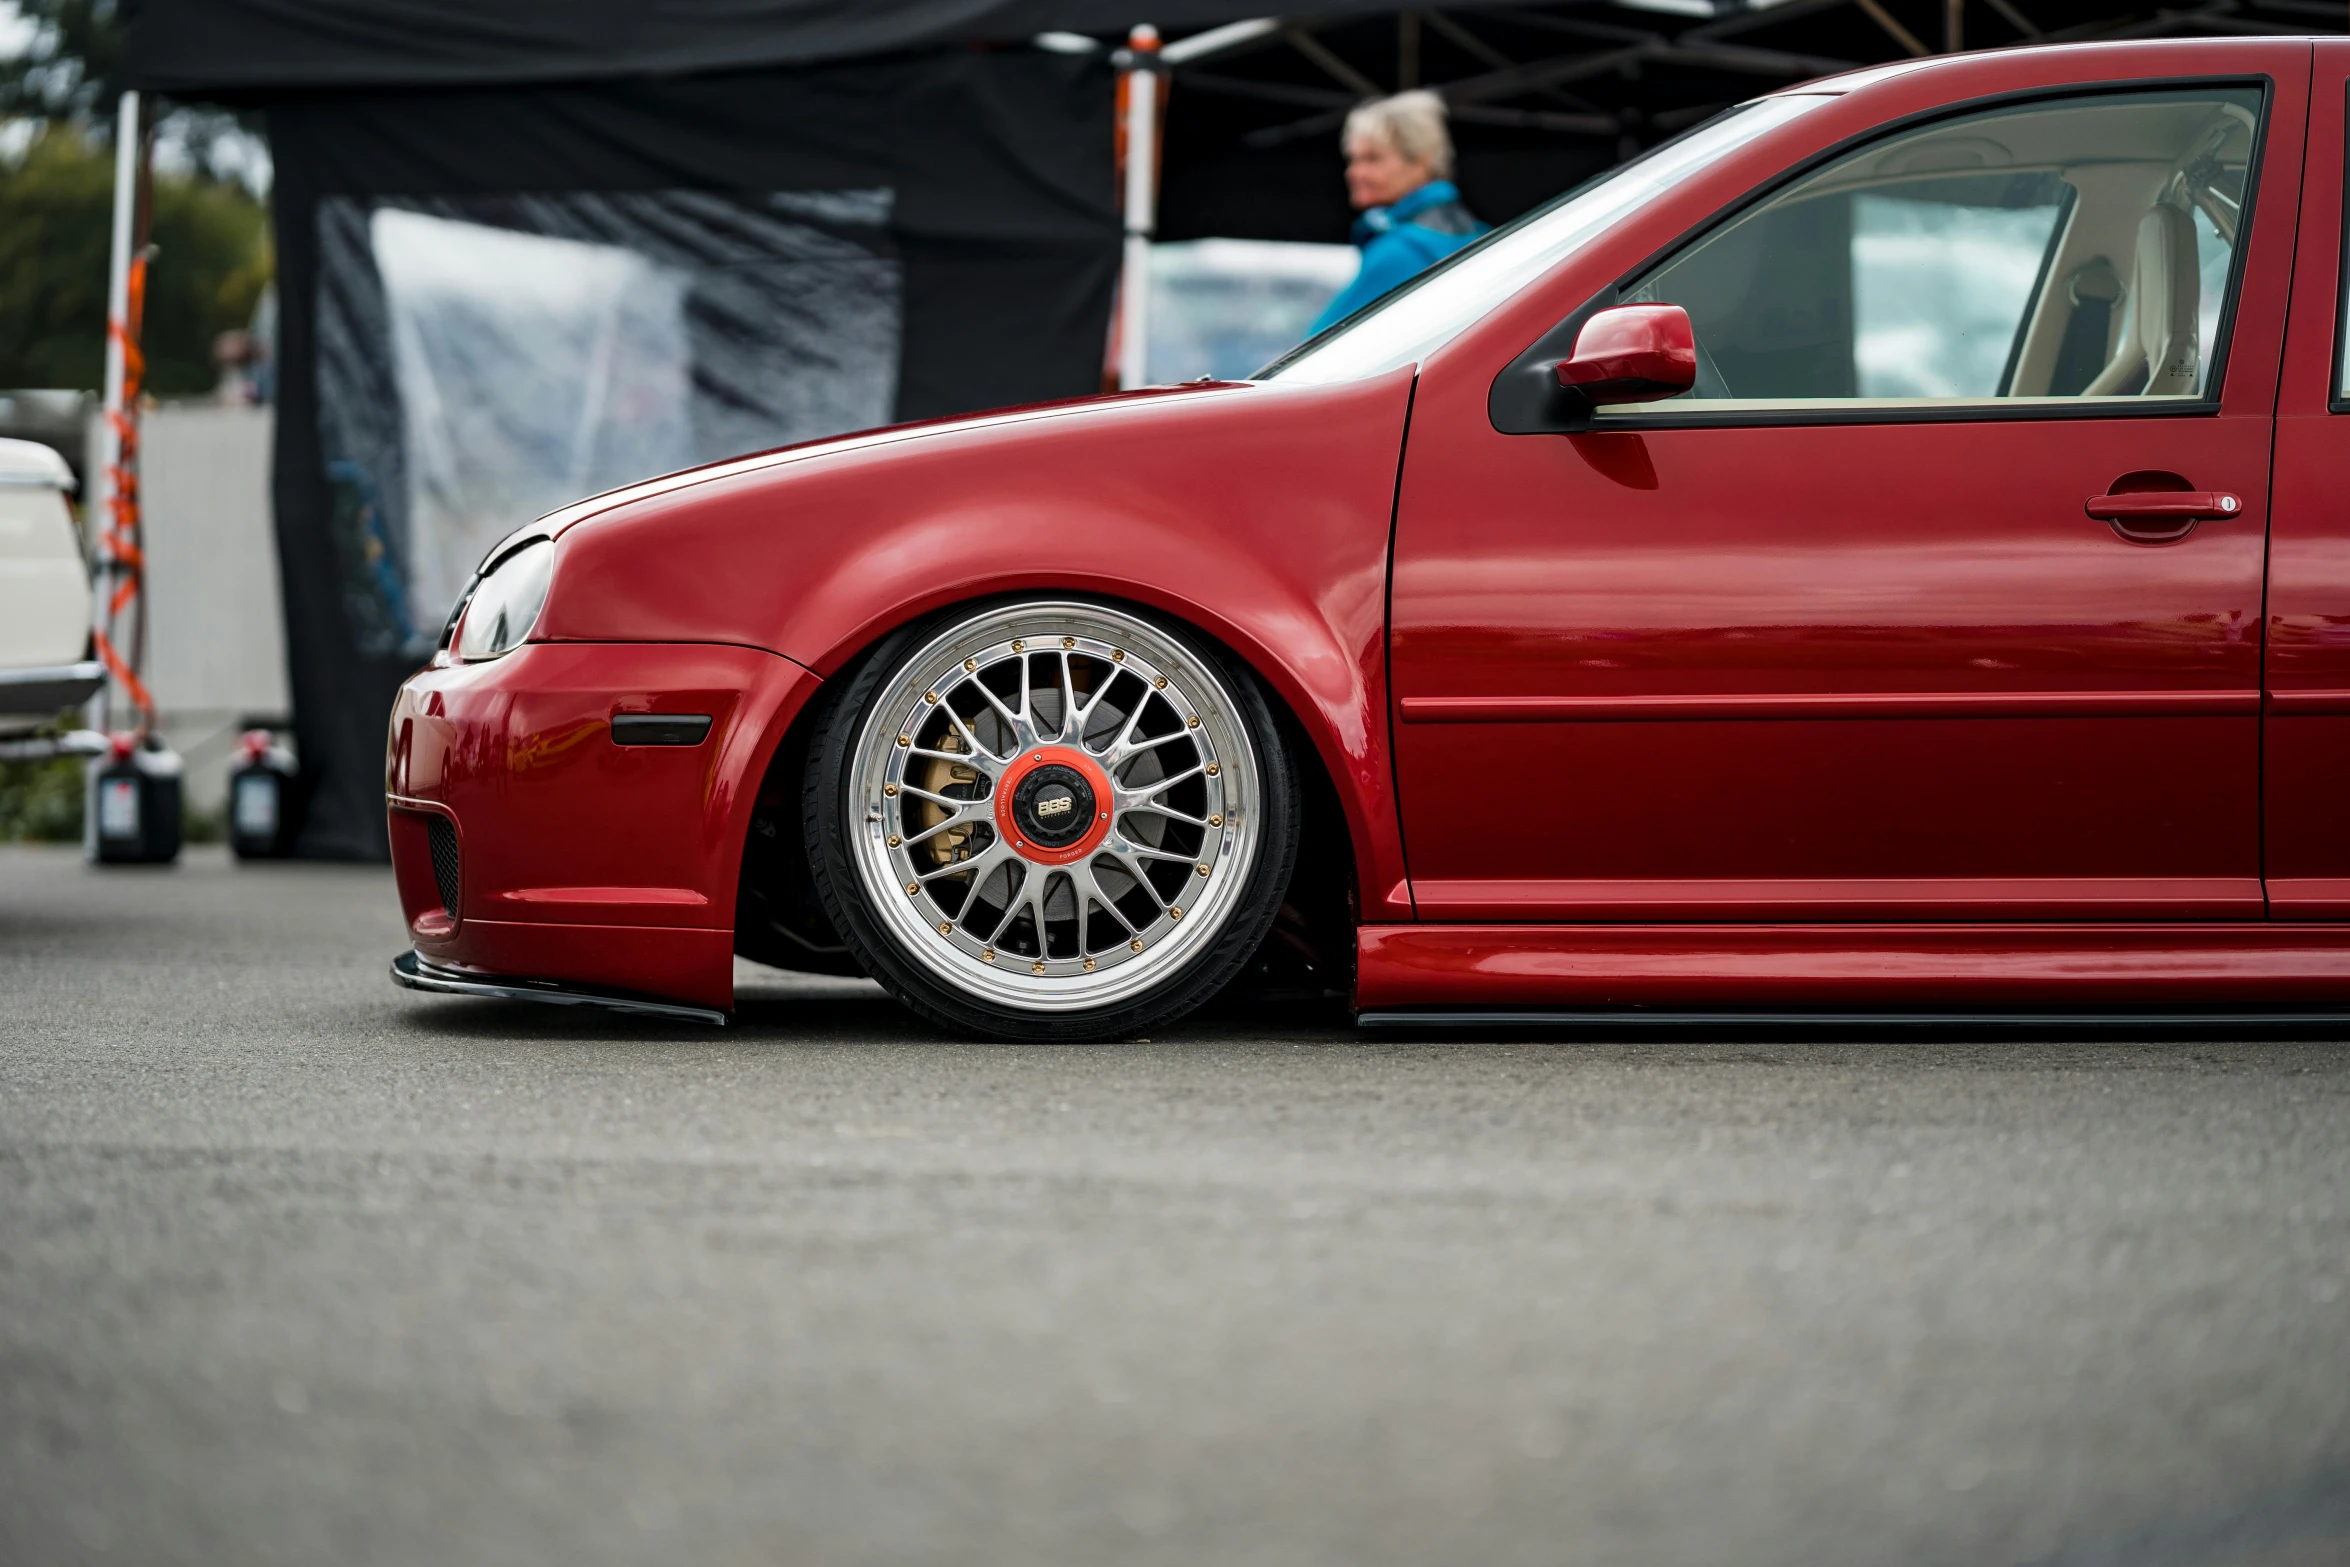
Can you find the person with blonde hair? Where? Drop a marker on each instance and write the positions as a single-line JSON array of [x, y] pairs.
[[1399, 177]]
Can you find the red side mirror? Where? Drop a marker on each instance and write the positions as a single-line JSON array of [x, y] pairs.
[[1632, 354]]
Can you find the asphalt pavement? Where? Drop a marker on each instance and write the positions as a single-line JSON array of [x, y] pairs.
[[295, 1267]]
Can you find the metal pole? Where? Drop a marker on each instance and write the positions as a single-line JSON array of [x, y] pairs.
[[127, 139], [1142, 205]]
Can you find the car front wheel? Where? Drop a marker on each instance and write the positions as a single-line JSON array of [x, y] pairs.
[[1051, 819]]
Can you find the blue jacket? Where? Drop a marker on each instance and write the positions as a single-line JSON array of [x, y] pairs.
[[1401, 242]]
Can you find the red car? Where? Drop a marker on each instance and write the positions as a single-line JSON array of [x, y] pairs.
[[1885, 549]]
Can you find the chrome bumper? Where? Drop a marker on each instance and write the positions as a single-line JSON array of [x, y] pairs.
[[415, 972]]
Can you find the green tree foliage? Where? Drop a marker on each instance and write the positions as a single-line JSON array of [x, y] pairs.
[[211, 235], [41, 802], [71, 69], [212, 260]]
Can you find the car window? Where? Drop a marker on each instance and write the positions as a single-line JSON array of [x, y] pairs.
[[1437, 306], [2056, 250]]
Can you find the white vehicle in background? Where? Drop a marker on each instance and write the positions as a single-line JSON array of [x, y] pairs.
[[45, 662]]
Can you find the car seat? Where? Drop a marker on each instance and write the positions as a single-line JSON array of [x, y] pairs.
[[2158, 341]]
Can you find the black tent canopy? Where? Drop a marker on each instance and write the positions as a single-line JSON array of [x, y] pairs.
[[243, 46]]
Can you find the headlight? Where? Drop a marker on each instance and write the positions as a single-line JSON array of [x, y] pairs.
[[507, 602]]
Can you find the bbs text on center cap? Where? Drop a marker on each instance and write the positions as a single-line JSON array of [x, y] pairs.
[[1053, 806]]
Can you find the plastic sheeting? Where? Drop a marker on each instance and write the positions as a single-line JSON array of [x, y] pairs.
[[492, 301], [483, 361]]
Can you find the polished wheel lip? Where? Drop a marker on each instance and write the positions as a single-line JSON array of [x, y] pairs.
[[1227, 764]]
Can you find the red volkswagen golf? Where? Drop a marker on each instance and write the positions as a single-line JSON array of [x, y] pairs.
[[1885, 550]]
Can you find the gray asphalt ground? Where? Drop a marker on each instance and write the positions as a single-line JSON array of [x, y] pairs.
[[298, 1268]]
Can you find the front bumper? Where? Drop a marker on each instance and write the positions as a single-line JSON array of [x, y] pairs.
[[529, 839]]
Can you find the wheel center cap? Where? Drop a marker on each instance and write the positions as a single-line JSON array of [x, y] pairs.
[[1054, 806]]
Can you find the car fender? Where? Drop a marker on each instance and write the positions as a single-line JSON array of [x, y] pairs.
[[1259, 513]]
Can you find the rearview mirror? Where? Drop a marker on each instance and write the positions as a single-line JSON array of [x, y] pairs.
[[1632, 354]]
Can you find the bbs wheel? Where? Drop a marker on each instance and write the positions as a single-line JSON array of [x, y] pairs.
[[1050, 820]]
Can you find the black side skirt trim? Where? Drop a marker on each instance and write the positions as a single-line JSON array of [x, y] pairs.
[[2337, 1018]]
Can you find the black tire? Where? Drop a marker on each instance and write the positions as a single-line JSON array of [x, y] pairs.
[[834, 809]]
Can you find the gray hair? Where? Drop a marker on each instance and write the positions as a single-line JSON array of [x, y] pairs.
[[1410, 122]]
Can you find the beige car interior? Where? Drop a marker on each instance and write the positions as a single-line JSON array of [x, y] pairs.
[[2124, 265]]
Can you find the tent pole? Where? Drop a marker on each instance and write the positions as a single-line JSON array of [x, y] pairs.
[[128, 144], [1142, 203]]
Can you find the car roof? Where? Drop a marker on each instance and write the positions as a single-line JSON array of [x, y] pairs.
[[1871, 75], [29, 463]]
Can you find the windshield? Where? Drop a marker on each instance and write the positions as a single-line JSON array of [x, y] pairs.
[[1435, 307]]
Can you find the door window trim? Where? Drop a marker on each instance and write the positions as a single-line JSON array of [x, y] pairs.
[[1523, 393], [2336, 400]]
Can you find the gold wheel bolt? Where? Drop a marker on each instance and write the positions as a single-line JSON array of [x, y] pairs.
[[1159, 684], [1194, 723], [1037, 967], [905, 739], [930, 696], [1203, 868], [1175, 912], [946, 927], [913, 889], [970, 664], [1136, 944], [1211, 769], [1019, 645], [1117, 655], [1068, 641], [893, 840], [1089, 965], [987, 954], [889, 788], [1215, 821]]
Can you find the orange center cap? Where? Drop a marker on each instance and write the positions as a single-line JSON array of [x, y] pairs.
[[1053, 805]]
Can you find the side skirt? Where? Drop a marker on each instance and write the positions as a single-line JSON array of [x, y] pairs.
[[1439, 1019], [2292, 968]]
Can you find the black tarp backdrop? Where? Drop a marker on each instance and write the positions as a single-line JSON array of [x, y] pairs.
[[996, 166]]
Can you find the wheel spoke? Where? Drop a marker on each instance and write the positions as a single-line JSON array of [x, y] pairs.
[[1010, 718], [978, 865], [1068, 698], [1130, 795], [1094, 893], [1011, 904], [963, 818], [1038, 884], [1114, 759], [947, 800], [1123, 857], [1168, 811], [970, 736]]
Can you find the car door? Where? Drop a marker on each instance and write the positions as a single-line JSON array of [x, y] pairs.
[[2307, 726], [1837, 635]]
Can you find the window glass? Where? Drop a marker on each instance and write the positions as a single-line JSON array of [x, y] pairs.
[[2066, 248]]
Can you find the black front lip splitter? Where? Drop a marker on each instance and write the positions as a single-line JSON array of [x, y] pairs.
[[413, 971]]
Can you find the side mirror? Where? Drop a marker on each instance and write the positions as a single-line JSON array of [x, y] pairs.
[[1632, 354]]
